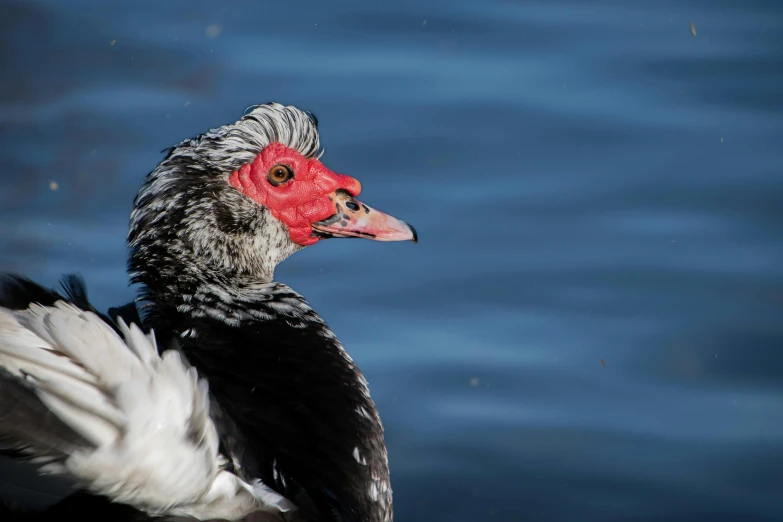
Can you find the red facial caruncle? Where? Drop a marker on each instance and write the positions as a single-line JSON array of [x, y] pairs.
[[311, 200]]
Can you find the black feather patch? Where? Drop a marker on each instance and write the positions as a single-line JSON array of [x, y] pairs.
[[76, 293], [84, 508], [76, 290], [128, 312], [18, 292], [27, 424]]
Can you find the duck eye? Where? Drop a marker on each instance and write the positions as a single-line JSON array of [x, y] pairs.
[[279, 174]]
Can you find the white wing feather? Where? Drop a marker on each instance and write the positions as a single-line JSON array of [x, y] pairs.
[[147, 415]]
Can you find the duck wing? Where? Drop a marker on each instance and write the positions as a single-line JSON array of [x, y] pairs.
[[103, 406]]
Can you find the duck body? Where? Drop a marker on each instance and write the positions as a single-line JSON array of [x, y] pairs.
[[309, 410], [280, 421]]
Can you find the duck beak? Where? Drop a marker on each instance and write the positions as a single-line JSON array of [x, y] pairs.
[[353, 218]]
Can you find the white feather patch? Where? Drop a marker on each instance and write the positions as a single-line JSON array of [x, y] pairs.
[[156, 447]]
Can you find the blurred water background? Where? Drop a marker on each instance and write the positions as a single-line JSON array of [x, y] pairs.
[[591, 325]]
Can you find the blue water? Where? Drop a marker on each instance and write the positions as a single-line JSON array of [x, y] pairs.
[[592, 323]]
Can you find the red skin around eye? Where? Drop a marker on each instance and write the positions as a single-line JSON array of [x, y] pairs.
[[299, 202]]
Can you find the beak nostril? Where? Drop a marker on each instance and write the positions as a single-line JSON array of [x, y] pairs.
[[352, 205]]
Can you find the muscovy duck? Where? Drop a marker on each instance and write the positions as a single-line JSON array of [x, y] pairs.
[[227, 394]]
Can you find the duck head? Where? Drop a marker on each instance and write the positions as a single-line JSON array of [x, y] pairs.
[[239, 199], [312, 201]]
